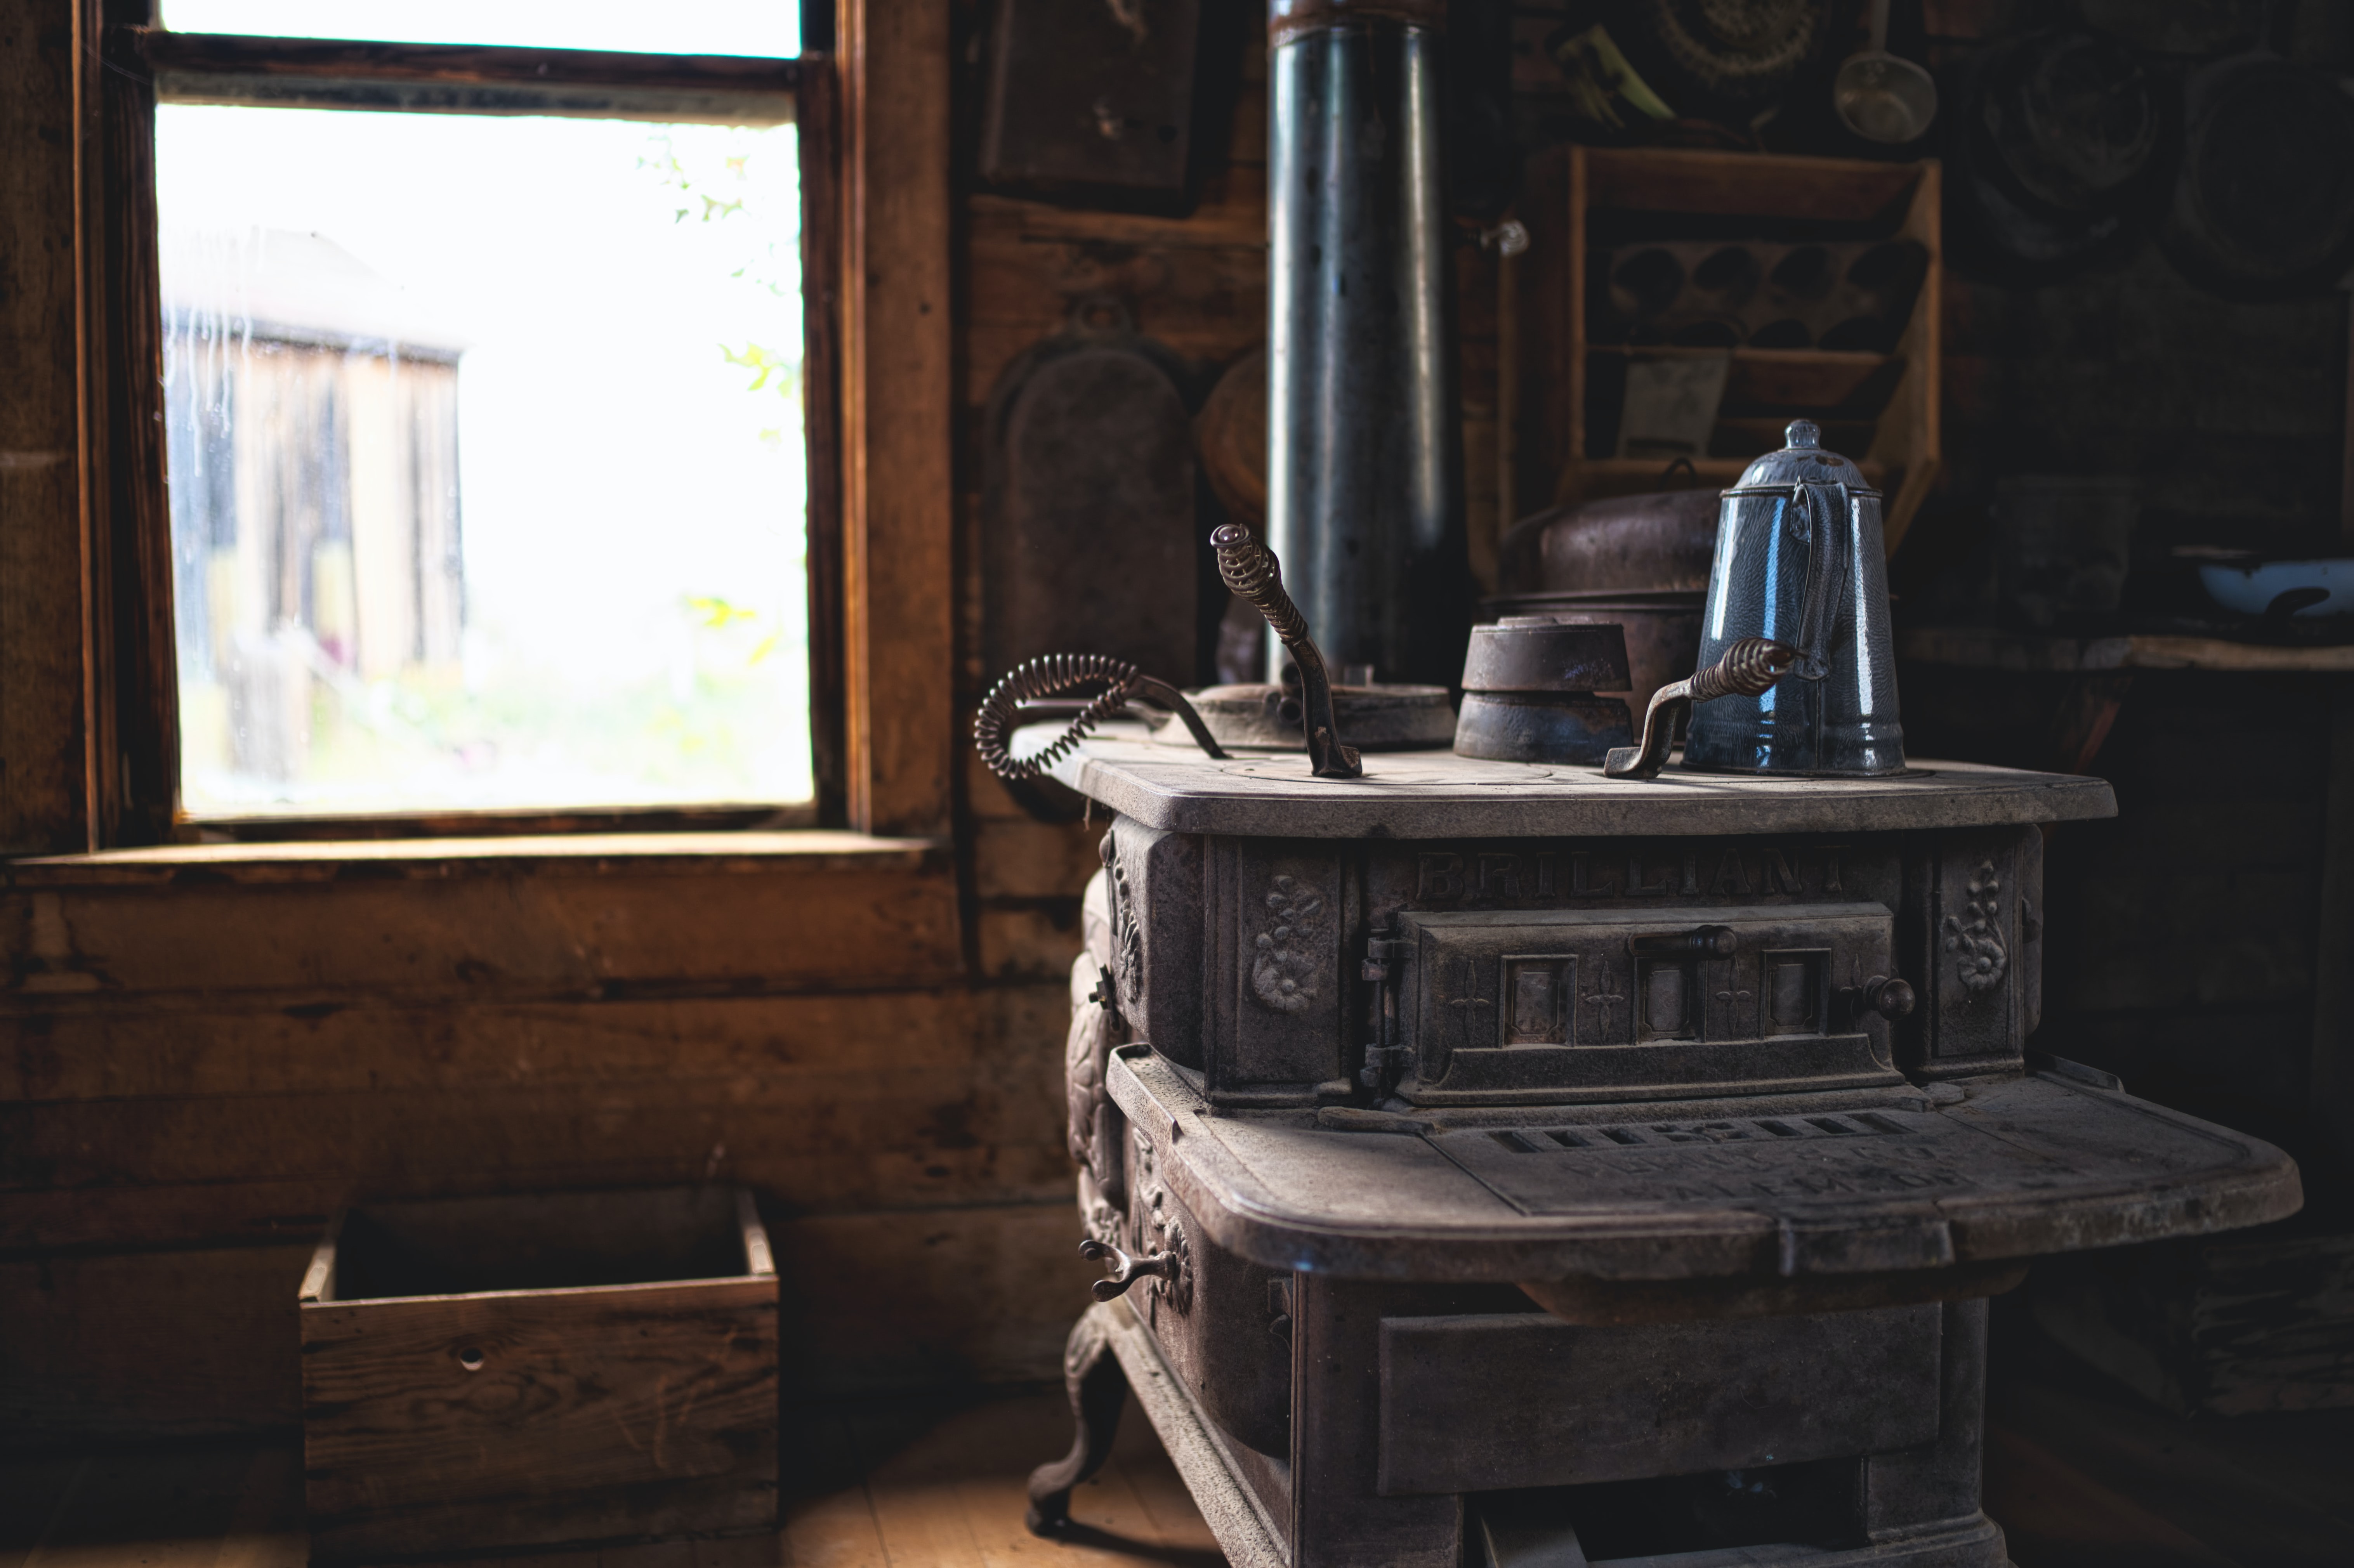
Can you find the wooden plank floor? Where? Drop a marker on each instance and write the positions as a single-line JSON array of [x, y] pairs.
[[902, 1484], [2079, 1474]]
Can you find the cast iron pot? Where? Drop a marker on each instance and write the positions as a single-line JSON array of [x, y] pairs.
[[1637, 561]]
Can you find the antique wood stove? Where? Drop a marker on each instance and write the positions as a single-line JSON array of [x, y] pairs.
[[1497, 1156], [1503, 1163]]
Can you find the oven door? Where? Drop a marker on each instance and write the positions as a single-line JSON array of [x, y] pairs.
[[1571, 1006]]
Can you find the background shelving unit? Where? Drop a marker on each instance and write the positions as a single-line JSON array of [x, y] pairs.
[[1880, 409]]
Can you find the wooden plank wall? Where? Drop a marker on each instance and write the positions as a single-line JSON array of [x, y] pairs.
[[198, 1065], [45, 59]]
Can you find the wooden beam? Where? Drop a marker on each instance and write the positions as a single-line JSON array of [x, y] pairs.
[[467, 78], [542, 928], [823, 227], [46, 68], [292, 1043], [134, 675], [1993, 648], [897, 397], [379, 859]]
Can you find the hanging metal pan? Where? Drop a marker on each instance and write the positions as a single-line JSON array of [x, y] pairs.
[[2057, 156], [2175, 27], [2264, 204], [1721, 59]]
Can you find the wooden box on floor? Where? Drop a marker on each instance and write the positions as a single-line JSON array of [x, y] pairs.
[[572, 1369]]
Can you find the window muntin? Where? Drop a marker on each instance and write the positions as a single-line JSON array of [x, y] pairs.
[[486, 469], [760, 28]]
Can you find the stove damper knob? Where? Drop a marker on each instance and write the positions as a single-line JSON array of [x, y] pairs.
[[1887, 996]]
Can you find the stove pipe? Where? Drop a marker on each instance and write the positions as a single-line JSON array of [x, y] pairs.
[[1364, 441]]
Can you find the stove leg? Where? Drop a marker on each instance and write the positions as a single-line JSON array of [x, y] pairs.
[[1098, 1388]]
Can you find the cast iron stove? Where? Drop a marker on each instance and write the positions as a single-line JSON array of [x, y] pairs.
[[1501, 1164]]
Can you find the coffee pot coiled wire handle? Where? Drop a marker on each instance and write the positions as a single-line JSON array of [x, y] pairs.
[[1250, 569], [1052, 674], [1749, 669]]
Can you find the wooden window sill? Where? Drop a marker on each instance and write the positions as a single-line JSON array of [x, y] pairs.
[[570, 855]]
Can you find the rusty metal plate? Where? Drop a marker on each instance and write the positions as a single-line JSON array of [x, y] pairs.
[[1089, 536]]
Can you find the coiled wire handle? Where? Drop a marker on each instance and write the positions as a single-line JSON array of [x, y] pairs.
[[1250, 569], [1749, 669], [1055, 673]]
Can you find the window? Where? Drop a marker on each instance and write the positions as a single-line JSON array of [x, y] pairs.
[[483, 405]]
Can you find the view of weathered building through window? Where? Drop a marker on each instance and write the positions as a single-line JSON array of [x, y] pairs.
[[484, 445]]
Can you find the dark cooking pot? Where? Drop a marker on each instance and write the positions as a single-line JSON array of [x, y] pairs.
[[2059, 155], [1637, 561], [1660, 543]]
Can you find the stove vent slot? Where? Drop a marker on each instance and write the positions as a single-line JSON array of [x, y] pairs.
[[1650, 1135]]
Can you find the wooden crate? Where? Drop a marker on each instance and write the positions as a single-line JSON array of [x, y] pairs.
[[522, 1372], [2227, 1325], [1680, 188]]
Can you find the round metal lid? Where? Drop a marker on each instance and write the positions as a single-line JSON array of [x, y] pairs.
[[1803, 460]]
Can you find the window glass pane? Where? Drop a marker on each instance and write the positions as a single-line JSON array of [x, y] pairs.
[[485, 461], [675, 27]]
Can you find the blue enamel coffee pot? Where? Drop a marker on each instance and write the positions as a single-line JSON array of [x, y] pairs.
[[1800, 559]]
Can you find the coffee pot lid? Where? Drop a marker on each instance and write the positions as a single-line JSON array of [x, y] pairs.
[[1805, 461]]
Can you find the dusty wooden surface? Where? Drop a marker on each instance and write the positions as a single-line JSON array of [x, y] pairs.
[[2078, 1474], [306, 859], [927, 1484], [1988, 648]]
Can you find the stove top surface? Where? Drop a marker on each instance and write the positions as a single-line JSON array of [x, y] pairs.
[[1802, 1184], [1437, 794]]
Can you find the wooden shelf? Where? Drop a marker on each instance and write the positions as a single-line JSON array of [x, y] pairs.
[[1801, 380], [1993, 648], [1896, 392], [1629, 476]]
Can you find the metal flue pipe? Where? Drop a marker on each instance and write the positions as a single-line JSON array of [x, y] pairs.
[[1364, 437]]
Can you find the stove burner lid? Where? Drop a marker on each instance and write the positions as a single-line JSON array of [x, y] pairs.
[[1261, 715]]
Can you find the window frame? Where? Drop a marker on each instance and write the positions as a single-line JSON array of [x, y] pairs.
[[131, 689]]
